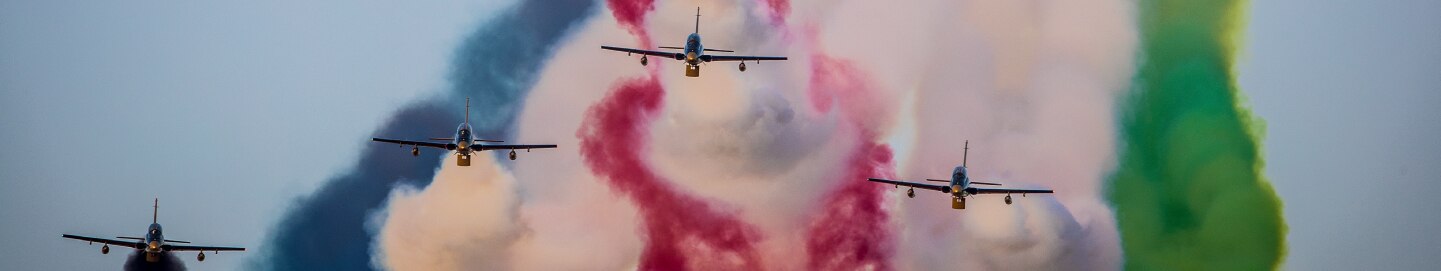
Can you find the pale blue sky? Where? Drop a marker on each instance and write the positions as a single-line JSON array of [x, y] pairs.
[[1351, 96], [226, 111], [229, 110]]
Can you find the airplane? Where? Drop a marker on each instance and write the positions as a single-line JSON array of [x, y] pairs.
[[154, 242], [960, 186], [463, 143], [693, 53]]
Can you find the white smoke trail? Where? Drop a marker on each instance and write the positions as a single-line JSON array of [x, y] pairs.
[[1031, 84], [466, 218]]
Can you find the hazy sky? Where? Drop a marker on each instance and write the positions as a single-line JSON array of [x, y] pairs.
[[1351, 96], [228, 111]]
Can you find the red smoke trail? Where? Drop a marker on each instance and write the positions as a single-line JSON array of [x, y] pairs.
[[851, 232], [683, 232], [632, 14], [779, 9]]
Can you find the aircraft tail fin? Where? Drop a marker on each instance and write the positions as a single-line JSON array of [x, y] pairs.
[[155, 213], [965, 153], [697, 20], [467, 111]]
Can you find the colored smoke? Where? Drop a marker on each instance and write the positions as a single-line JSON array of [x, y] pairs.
[[852, 230], [682, 231], [327, 230], [765, 169], [631, 15], [496, 66], [1189, 193], [1031, 85]]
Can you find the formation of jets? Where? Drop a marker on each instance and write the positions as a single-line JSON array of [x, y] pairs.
[[464, 144], [693, 53], [154, 242]]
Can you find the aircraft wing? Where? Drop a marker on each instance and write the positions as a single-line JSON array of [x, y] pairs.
[[942, 188], [483, 147], [1011, 191], [415, 143], [643, 52], [709, 58], [201, 248], [130, 244]]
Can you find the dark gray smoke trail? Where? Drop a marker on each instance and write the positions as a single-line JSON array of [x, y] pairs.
[[500, 62], [326, 231], [168, 262], [496, 66]]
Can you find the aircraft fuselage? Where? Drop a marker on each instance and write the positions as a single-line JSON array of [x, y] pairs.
[[154, 243], [960, 183], [693, 49], [463, 140]]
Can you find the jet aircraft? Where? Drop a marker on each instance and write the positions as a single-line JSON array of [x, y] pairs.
[[464, 144], [960, 186], [693, 53], [153, 243]]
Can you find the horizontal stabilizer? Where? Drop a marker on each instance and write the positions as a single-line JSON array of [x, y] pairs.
[[985, 183], [672, 47], [719, 50], [131, 238], [442, 138], [176, 241], [939, 180], [489, 140]]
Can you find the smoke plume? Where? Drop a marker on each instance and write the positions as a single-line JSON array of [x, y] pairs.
[[1189, 194], [852, 230], [467, 217], [167, 262], [326, 230], [683, 232], [497, 65]]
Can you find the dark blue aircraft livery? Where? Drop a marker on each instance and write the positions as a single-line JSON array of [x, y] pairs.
[[959, 186], [464, 143], [693, 53], [154, 242]]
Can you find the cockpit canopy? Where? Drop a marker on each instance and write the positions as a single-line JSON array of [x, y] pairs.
[[693, 42], [959, 174], [463, 130]]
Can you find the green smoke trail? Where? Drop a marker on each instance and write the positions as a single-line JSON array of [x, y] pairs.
[[1188, 191]]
